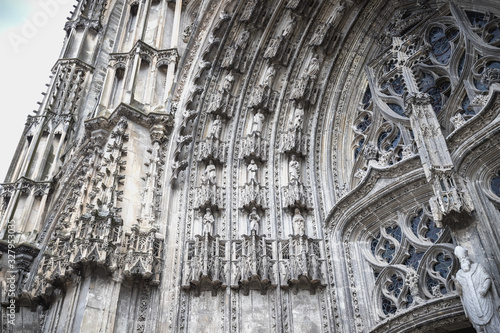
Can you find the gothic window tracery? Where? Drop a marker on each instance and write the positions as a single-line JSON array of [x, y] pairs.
[[411, 259]]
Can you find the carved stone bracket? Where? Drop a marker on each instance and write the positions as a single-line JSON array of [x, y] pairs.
[[252, 195], [265, 99], [295, 195], [144, 248], [305, 89], [254, 147], [294, 142], [222, 104], [253, 263], [301, 264], [205, 265], [209, 195], [212, 149]]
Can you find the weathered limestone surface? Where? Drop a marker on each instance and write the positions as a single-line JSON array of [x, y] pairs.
[[258, 166]]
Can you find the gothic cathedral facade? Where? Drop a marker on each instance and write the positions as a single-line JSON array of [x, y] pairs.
[[257, 166]]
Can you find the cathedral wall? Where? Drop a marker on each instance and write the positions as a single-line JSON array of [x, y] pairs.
[[204, 314]]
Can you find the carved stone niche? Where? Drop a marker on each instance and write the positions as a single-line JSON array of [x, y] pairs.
[[205, 265], [295, 195], [305, 89], [293, 142], [212, 149], [301, 7], [94, 241], [301, 264], [221, 103], [264, 99], [253, 146], [252, 265], [143, 253], [252, 194], [209, 195]]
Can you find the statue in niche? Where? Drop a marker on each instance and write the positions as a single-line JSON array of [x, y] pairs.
[[216, 102], [208, 222], [243, 39], [228, 82], [252, 171], [186, 34], [268, 78], [216, 128], [228, 57], [339, 8], [257, 123], [298, 223], [254, 220], [313, 68], [319, 34], [478, 294], [298, 118], [289, 27], [293, 170], [272, 48], [210, 173]]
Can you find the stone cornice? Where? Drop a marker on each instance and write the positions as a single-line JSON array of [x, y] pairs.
[[436, 313], [124, 110], [366, 193]]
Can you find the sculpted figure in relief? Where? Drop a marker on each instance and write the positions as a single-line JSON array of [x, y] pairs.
[[293, 170], [289, 27], [208, 222], [478, 294], [228, 82], [254, 220], [257, 123], [216, 128], [268, 78], [210, 173], [243, 39], [298, 118], [299, 223], [313, 68], [252, 171]]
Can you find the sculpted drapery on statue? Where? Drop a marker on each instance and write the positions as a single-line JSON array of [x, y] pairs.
[[478, 293]]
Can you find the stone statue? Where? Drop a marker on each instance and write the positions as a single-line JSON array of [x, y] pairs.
[[298, 118], [293, 170], [257, 123], [243, 39], [313, 68], [254, 220], [289, 27], [319, 34], [228, 82], [299, 223], [216, 128], [268, 78], [252, 171], [478, 294], [210, 173], [186, 34], [208, 222]]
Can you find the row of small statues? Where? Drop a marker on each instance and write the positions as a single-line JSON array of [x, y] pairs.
[[210, 174], [298, 222], [257, 125]]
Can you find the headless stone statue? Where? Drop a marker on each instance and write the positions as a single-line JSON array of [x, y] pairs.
[[478, 294]]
